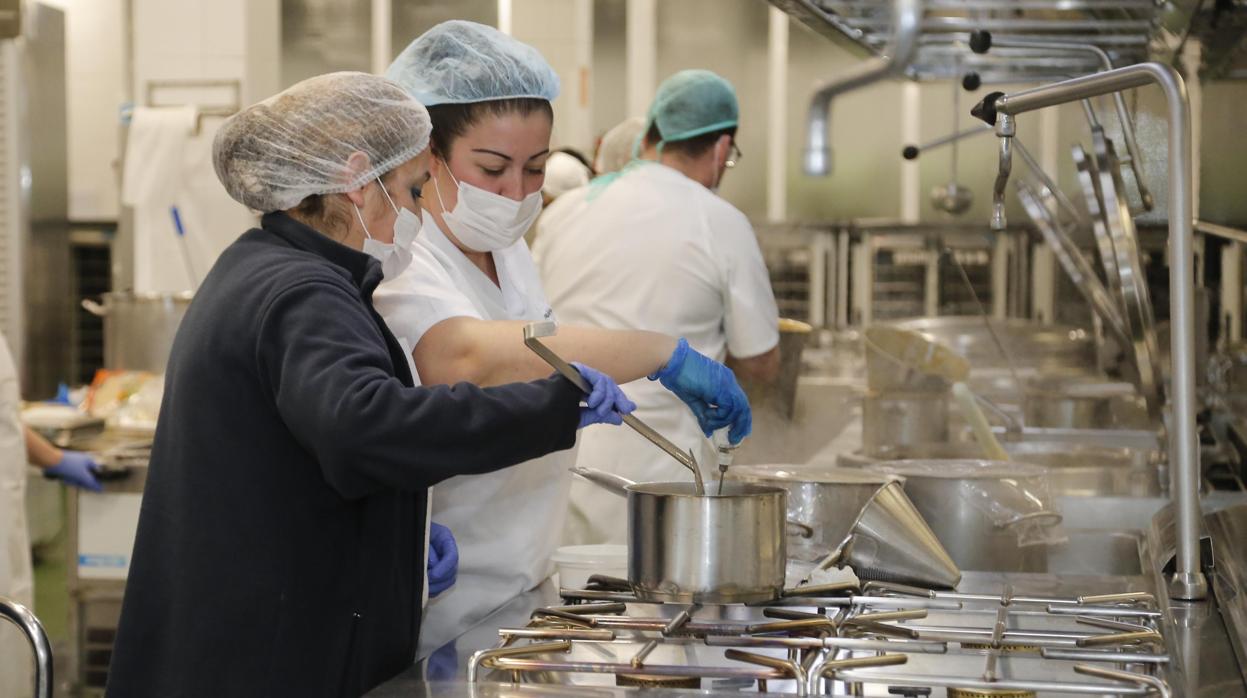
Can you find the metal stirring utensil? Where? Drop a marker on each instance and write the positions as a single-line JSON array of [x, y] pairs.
[[533, 332], [726, 453]]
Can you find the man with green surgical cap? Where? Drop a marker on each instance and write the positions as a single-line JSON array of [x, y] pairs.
[[653, 247]]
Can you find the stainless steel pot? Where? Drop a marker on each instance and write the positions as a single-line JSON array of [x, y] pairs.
[[979, 509], [1028, 343], [1062, 402], [901, 419], [711, 548], [1078, 470], [139, 328], [827, 500]]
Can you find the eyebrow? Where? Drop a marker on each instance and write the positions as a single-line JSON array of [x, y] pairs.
[[506, 157]]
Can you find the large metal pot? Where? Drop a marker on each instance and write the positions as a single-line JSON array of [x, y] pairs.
[[827, 500], [1071, 403], [139, 328], [1079, 470], [1028, 343], [711, 548], [901, 419], [982, 511]]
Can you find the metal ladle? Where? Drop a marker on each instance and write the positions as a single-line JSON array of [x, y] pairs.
[[534, 331]]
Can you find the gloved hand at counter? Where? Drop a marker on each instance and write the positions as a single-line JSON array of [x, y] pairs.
[[443, 559], [77, 469], [709, 389], [606, 403]]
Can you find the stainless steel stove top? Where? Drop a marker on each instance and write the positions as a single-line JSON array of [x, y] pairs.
[[1022, 636]]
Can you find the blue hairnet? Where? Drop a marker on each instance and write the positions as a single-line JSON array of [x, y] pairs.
[[459, 62], [300, 142], [691, 103]]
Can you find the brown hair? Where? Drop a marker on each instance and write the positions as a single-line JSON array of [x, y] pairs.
[[693, 147], [453, 120], [328, 215]]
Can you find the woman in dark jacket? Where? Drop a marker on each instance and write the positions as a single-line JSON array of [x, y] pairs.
[[281, 544]]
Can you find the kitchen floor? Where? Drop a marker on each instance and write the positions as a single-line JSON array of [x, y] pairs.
[[52, 598]]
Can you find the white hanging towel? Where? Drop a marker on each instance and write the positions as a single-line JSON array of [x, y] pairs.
[[168, 167]]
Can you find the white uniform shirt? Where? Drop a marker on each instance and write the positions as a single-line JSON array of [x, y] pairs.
[[16, 578], [653, 250], [506, 523]]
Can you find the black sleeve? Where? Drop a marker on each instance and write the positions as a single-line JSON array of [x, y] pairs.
[[332, 380]]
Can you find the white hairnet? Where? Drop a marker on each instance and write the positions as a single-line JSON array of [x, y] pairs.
[[615, 150], [458, 62], [297, 143], [563, 174]]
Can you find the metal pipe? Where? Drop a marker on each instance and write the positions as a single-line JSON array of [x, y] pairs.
[[1004, 129], [30, 626], [1188, 580], [1103, 656], [906, 18], [1119, 102], [911, 152]]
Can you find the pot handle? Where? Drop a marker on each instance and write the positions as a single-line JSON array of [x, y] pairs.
[[796, 528], [94, 308], [608, 481], [1045, 517]]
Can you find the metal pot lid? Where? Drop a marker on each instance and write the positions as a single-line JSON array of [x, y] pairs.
[[786, 473], [1097, 389], [959, 469], [1072, 260], [1137, 302]]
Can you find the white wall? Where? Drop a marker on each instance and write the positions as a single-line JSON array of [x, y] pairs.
[[562, 30], [173, 39]]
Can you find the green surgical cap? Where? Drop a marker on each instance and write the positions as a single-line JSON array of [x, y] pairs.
[[692, 103]]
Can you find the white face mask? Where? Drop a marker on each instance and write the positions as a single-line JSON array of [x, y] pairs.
[[394, 256], [488, 222]]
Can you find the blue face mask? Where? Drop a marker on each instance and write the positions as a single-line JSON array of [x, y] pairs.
[[395, 256]]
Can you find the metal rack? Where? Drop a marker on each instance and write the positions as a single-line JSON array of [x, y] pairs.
[[841, 638], [1122, 28]]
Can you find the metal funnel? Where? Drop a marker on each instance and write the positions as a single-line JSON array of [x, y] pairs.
[[891, 542]]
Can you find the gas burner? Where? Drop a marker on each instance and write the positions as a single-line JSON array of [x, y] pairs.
[[649, 681], [874, 639]]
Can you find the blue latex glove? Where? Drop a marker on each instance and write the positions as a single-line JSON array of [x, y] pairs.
[[709, 389], [443, 559], [443, 664], [77, 469], [606, 402]]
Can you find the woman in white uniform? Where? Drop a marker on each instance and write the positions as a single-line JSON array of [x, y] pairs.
[[471, 288], [19, 445]]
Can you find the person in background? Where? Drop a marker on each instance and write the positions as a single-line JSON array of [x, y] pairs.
[[463, 303], [564, 173], [616, 147], [20, 445], [281, 542], [653, 247]]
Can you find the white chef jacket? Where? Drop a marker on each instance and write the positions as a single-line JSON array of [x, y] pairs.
[[653, 250], [506, 523], [16, 578]]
